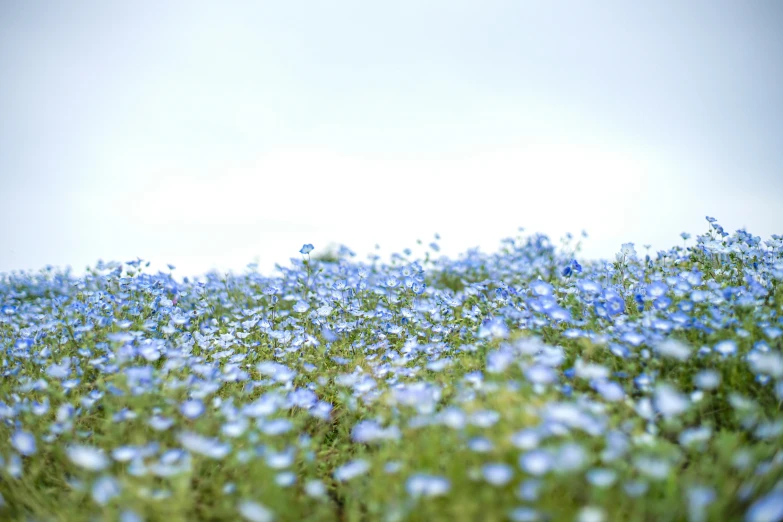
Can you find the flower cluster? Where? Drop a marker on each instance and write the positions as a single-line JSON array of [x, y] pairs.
[[522, 385]]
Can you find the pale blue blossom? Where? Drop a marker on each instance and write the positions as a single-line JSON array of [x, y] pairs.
[[255, 512], [87, 457], [424, 485]]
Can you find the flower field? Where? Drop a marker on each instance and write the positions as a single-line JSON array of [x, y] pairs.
[[522, 385]]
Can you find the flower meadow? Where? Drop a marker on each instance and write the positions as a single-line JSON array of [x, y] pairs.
[[522, 385]]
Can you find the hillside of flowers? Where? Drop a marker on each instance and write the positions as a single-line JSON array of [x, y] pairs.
[[523, 385]]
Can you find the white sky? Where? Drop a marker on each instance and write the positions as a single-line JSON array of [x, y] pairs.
[[212, 134]]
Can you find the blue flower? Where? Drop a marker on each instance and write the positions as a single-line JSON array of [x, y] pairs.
[[726, 348], [104, 489], [423, 485], [768, 508], [306, 249], [351, 470], [208, 447], [615, 304], [609, 390], [497, 474], [541, 288], [23, 442], [589, 286], [536, 462], [255, 512], [493, 328], [192, 408], [87, 457]]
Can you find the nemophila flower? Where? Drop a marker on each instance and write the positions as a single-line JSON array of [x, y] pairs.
[[635, 488], [726, 348], [253, 511], [590, 371], [14, 466], [124, 453], [370, 431], [285, 479], [536, 462], [351, 470], [301, 307], [657, 289], [628, 250], [235, 428], [768, 508], [773, 332], [130, 516], [601, 477], [591, 514], [770, 364], [569, 457], [280, 460], [499, 360], [609, 390], [392, 467], [279, 372], [668, 401], [633, 338], [306, 249], [208, 447], [497, 474], [526, 439], [391, 282], [104, 489], [453, 417], [529, 490], [265, 405], [87, 457], [541, 288], [695, 437], [23, 442], [171, 463], [59, 371], [315, 489], [525, 514], [324, 310], [275, 426], [192, 409], [559, 314], [493, 328], [480, 445], [619, 350], [302, 398], [158, 423], [540, 374], [424, 485], [651, 467], [699, 498], [322, 410], [614, 304], [589, 287], [484, 418]]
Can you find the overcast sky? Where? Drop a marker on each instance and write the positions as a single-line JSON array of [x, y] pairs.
[[211, 134]]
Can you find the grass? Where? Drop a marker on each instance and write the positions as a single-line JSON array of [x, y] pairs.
[[521, 385]]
